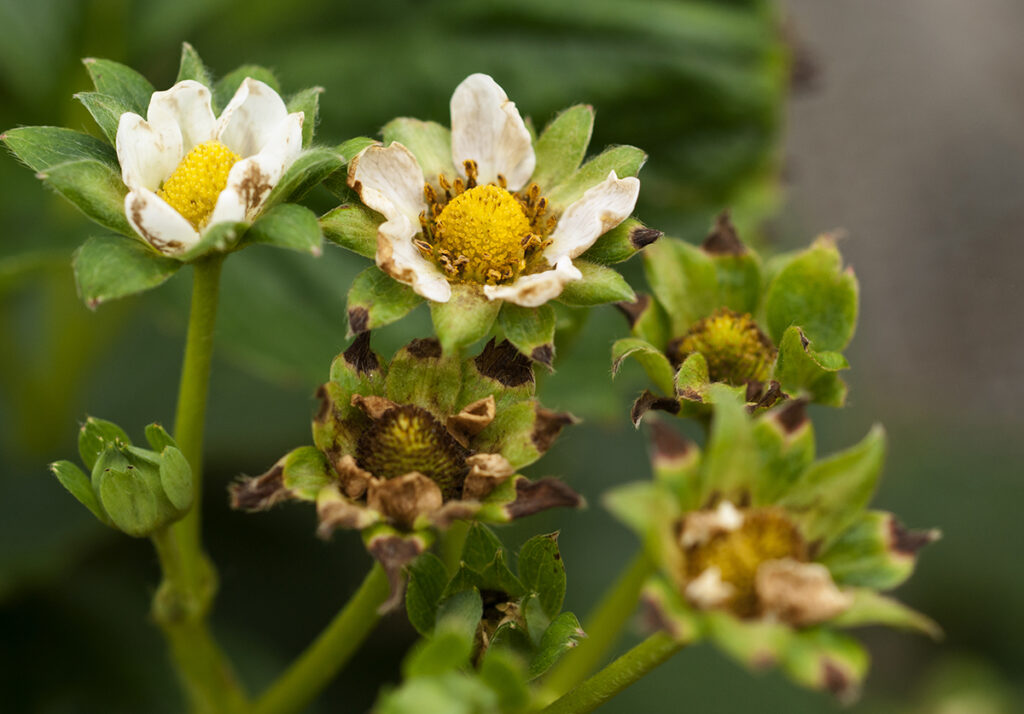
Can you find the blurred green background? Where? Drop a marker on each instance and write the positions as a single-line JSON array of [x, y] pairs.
[[892, 120]]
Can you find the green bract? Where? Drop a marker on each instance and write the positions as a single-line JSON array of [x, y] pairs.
[[146, 249], [135, 490], [414, 445], [765, 550], [721, 316]]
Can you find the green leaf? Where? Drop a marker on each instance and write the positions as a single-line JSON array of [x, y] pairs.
[[562, 145], [872, 608], [353, 227], [288, 225], [129, 501], [561, 636], [307, 101], [684, 280], [106, 111], [622, 242], [503, 673], [653, 360], [78, 485], [225, 89], [376, 299], [95, 188], [875, 551], [427, 581], [498, 576], [460, 614], [337, 183], [120, 82], [464, 319], [192, 67], [824, 659], [428, 141], [801, 370], [542, 571], [480, 548], [830, 495], [446, 651], [600, 285], [732, 463], [623, 160], [176, 478], [531, 330], [648, 320], [42, 147], [309, 169], [815, 293], [95, 436]]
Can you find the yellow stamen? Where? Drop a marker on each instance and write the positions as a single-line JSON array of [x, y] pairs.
[[193, 188], [482, 231]]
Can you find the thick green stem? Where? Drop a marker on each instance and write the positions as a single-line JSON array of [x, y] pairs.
[[603, 626], [330, 651], [621, 673]]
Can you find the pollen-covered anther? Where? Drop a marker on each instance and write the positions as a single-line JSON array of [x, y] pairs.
[[193, 188], [735, 348], [408, 439]]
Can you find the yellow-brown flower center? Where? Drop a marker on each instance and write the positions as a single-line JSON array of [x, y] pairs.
[[408, 438], [765, 534], [736, 350], [193, 188]]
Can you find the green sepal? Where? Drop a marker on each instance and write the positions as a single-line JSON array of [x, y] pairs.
[[427, 581], [96, 436], [132, 504], [95, 187], [739, 280], [176, 478], [376, 299], [480, 548], [814, 292], [79, 485], [460, 613], [786, 450], [307, 101], [305, 471], [562, 145], [158, 438], [653, 360], [600, 285], [42, 147], [673, 615], [531, 330], [192, 67], [451, 644], [337, 183], [684, 280], [510, 379], [290, 226], [875, 551], [872, 608], [623, 160], [442, 694], [110, 267], [676, 462], [732, 464], [827, 660], [494, 575], [622, 242], [106, 111], [219, 238], [350, 148], [800, 369], [428, 141], [755, 643], [309, 169], [647, 320], [142, 491], [511, 434], [353, 226], [120, 82], [562, 635], [692, 380], [542, 571], [503, 672], [464, 319], [648, 509], [830, 494], [420, 374], [226, 87]]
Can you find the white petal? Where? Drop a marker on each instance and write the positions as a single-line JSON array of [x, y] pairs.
[[159, 224], [147, 156], [251, 117], [597, 211], [389, 180], [536, 289], [186, 106], [708, 590], [399, 258], [487, 128], [251, 180]]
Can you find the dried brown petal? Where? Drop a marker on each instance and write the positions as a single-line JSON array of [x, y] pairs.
[[373, 406], [473, 419], [403, 498], [354, 480], [261, 492], [798, 593], [486, 472]]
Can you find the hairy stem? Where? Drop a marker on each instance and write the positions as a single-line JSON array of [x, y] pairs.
[[603, 626], [330, 651], [618, 675]]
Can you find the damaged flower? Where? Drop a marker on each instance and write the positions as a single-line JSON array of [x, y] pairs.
[[767, 551]]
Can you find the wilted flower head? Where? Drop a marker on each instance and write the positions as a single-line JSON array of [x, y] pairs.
[[767, 551]]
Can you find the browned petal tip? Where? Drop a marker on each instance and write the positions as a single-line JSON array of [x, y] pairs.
[[669, 444], [909, 542], [545, 354], [358, 320], [642, 236], [360, 356], [547, 425], [723, 239], [535, 496], [648, 401], [792, 415], [424, 348], [633, 310], [259, 493], [504, 363], [394, 553]]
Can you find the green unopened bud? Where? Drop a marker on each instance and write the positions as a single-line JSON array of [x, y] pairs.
[[95, 436]]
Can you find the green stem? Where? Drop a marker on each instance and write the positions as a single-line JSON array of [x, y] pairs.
[[621, 673], [330, 651], [450, 545], [603, 626]]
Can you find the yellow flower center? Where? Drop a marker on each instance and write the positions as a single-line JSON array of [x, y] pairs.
[[193, 188], [485, 231], [736, 350]]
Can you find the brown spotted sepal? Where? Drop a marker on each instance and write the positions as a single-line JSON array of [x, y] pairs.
[[407, 447], [718, 315], [765, 550]]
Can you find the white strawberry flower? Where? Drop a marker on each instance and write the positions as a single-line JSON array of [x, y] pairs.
[[187, 170], [481, 221]]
